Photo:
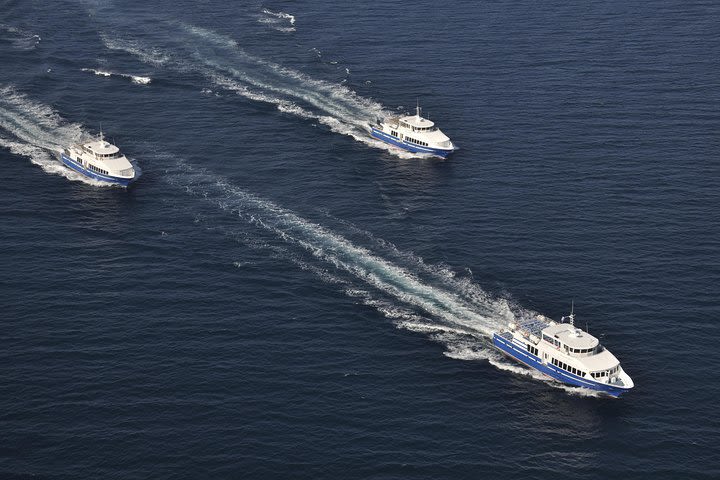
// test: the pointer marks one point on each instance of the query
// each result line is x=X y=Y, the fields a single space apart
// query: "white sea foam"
x=140 y=80
x=34 y=130
x=219 y=58
x=19 y=39
x=461 y=283
x=278 y=20
x=152 y=56
x=392 y=279
x=416 y=296
x=287 y=16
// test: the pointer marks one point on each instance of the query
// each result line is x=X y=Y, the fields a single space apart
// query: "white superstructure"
x=413 y=133
x=101 y=160
x=564 y=352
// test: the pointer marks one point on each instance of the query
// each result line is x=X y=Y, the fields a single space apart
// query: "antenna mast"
x=571 y=317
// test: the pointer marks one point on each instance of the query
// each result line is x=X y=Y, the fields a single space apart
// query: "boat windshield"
x=107 y=156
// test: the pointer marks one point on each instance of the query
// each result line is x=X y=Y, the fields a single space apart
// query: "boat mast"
x=417 y=108
x=571 y=317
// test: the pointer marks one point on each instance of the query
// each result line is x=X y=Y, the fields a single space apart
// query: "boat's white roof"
x=101 y=147
x=571 y=336
x=417 y=121
x=600 y=361
x=119 y=163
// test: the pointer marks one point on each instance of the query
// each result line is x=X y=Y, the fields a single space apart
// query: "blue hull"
x=411 y=147
x=523 y=356
x=69 y=162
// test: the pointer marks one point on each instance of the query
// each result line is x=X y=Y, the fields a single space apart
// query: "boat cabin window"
x=586 y=350
x=109 y=155
x=551 y=340
x=605 y=373
x=98 y=170
x=567 y=367
x=412 y=140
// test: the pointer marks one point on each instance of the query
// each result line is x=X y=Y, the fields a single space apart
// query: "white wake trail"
x=275 y=20
x=220 y=59
x=461 y=284
x=19 y=39
x=36 y=131
x=284 y=15
x=362 y=264
x=456 y=313
x=137 y=79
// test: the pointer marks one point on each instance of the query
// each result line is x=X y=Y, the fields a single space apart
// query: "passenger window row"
x=567 y=367
x=98 y=170
x=605 y=373
x=412 y=140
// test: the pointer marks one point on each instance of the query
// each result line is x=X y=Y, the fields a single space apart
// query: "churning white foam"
x=36 y=131
x=361 y=264
x=416 y=296
x=138 y=79
x=19 y=39
x=220 y=59
x=152 y=56
x=280 y=21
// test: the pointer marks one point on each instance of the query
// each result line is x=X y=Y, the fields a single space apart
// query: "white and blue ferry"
x=413 y=133
x=100 y=160
x=564 y=353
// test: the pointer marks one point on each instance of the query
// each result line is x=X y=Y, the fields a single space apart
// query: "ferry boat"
x=413 y=133
x=564 y=353
x=101 y=161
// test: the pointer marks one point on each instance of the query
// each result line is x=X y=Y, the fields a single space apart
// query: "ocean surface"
x=281 y=296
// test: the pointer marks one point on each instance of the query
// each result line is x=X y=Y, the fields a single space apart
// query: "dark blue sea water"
x=280 y=296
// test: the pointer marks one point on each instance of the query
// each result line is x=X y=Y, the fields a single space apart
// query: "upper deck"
x=101 y=149
x=571 y=337
x=416 y=123
x=102 y=156
x=532 y=326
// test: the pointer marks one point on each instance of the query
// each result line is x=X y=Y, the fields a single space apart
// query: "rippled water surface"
x=282 y=296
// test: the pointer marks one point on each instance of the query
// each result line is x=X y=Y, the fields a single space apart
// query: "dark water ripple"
x=248 y=310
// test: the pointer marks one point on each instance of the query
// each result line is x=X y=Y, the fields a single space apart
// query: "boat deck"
x=506 y=335
x=532 y=326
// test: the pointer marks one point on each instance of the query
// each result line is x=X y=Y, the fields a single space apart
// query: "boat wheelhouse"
x=413 y=133
x=101 y=161
x=564 y=353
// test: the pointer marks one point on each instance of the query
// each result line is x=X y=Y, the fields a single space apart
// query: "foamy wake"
x=19 y=39
x=220 y=59
x=140 y=80
x=37 y=132
x=392 y=279
x=280 y=21
x=414 y=295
